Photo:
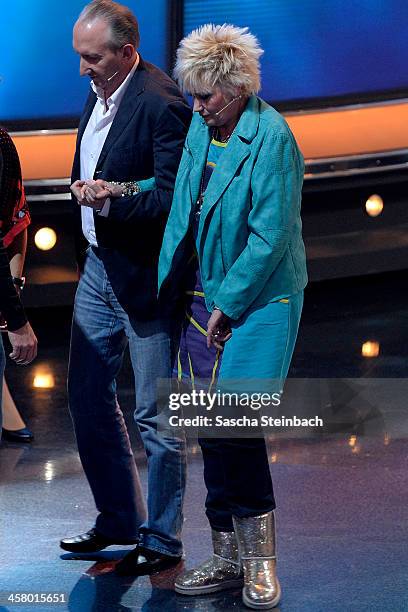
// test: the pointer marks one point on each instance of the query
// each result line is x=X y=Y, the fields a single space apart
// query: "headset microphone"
x=227 y=105
x=113 y=75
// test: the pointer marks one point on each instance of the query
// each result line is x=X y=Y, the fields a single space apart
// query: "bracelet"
x=19 y=282
x=129 y=188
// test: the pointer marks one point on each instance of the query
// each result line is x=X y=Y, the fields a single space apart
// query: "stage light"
x=45 y=239
x=371 y=348
x=43 y=380
x=374 y=205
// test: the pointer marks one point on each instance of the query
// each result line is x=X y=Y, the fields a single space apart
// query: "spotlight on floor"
x=371 y=348
x=352 y=442
x=374 y=205
x=45 y=239
x=49 y=471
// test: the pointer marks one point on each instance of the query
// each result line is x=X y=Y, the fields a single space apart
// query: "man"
x=133 y=128
x=20 y=333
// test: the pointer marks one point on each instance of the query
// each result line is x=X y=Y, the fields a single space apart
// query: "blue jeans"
x=101 y=330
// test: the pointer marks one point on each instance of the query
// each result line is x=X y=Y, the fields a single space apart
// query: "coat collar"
x=235 y=153
x=247 y=126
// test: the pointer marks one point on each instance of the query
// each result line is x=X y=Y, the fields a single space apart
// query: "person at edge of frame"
x=132 y=129
x=22 y=338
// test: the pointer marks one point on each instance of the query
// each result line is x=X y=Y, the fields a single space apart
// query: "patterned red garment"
x=14 y=213
x=14 y=218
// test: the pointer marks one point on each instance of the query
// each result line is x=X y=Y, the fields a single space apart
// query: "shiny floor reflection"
x=342 y=492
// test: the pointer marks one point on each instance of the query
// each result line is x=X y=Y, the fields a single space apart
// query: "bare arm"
x=17 y=253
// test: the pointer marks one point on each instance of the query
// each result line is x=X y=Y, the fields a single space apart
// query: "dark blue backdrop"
x=319 y=48
x=313 y=48
x=39 y=69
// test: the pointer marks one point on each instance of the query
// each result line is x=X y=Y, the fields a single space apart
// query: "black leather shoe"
x=142 y=561
x=91 y=541
x=17 y=435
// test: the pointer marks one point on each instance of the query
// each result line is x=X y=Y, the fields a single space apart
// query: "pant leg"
x=98 y=342
x=238 y=480
x=151 y=350
x=217 y=508
x=261 y=347
x=2 y=368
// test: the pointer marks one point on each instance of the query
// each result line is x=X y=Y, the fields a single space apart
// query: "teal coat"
x=249 y=241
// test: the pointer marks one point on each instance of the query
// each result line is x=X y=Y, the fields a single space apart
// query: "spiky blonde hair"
x=219 y=55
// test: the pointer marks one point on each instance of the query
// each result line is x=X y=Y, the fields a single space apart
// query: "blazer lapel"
x=229 y=162
x=89 y=105
x=238 y=149
x=127 y=108
x=198 y=147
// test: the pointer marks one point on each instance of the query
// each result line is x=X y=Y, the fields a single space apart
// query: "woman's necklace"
x=217 y=136
x=199 y=204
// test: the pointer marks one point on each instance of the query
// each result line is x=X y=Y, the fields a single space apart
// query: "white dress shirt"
x=92 y=142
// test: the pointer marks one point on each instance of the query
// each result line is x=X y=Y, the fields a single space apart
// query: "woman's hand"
x=85 y=194
x=95 y=193
x=24 y=344
x=104 y=189
x=115 y=191
x=218 y=330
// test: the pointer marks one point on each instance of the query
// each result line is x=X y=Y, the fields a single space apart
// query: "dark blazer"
x=146 y=139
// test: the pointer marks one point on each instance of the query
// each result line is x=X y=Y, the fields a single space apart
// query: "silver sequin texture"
x=220 y=572
x=256 y=540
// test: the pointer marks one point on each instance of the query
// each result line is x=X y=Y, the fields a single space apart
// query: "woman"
x=238 y=194
x=15 y=240
x=14 y=219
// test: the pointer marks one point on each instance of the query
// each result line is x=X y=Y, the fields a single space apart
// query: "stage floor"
x=342 y=493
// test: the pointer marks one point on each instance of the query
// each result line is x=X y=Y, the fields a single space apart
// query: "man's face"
x=97 y=60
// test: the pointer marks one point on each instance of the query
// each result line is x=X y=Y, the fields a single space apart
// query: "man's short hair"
x=124 y=28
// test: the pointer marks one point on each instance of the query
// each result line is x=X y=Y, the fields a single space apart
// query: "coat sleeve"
x=276 y=184
x=168 y=137
x=10 y=306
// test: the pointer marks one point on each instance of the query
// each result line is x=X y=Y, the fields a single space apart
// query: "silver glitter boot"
x=221 y=572
x=256 y=541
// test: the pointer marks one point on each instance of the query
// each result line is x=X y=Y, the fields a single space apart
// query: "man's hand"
x=218 y=330
x=90 y=193
x=76 y=189
x=24 y=344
